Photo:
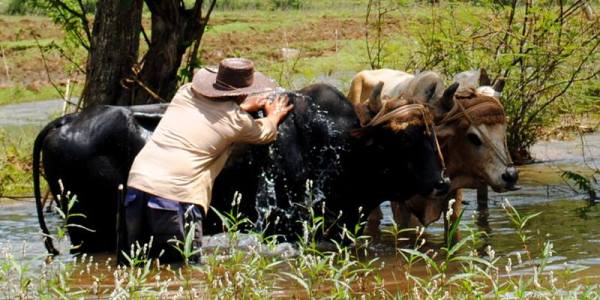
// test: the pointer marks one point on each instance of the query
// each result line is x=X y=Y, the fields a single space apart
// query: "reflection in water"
x=20 y=231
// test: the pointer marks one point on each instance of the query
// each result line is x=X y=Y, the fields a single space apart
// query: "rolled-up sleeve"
x=256 y=131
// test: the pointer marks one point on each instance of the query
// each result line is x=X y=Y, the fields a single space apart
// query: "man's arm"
x=264 y=130
x=254 y=103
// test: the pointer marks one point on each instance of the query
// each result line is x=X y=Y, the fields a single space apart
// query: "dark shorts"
x=165 y=220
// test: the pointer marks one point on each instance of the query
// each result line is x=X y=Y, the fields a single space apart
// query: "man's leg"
x=135 y=218
x=166 y=225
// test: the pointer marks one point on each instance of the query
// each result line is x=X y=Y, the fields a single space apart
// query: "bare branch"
x=84 y=21
x=572 y=79
x=145 y=36
x=210 y=9
x=61 y=51
x=37 y=42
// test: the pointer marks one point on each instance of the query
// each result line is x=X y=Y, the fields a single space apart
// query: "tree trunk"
x=113 y=51
x=174 y=29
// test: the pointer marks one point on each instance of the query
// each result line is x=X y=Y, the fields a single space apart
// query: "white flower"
x=490 y=252
x=450 y=209
x=451 y=202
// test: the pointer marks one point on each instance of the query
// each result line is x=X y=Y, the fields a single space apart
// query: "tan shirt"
x=190 y=146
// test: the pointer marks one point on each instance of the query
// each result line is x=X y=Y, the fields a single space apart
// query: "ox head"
x=472 y=127
x=401 y=141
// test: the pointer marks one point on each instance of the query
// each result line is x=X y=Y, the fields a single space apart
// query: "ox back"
x=92 y=153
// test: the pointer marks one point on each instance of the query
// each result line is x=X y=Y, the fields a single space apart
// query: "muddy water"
x=33 y=113
x=567 y=219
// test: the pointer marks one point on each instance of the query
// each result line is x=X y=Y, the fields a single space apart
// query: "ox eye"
x=474 y=139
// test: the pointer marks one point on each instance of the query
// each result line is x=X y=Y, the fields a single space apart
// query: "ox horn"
x=447 y=99
x=375 y=98
x=499 y=84
x=484 y=78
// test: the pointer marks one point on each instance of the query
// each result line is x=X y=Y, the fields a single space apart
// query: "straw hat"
x=235 y=77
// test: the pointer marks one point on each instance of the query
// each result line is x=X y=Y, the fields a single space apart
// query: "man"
x=171 y=179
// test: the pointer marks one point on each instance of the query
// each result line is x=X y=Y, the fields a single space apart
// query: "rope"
x=135 y=70
x=404 y=112
x=455 y=115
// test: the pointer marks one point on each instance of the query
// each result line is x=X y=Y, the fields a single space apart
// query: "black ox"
x=352 y=167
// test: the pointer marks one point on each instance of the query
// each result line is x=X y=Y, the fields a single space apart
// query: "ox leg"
x=48 y=206
x=482 y=198
x=482 y=208
x=402 y=216
x=373 y=222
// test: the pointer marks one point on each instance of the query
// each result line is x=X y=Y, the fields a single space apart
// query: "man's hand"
x=254 y=103
x=277 y=109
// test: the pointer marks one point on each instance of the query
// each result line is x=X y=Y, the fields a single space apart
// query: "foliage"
x=15 y=165
x=287 y=4
x=23 y=7
x=541 y=49
x=240 y=4
x=375 y=37
x=584 y=184
x=37 y=7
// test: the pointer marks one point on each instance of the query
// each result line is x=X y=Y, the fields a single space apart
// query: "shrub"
x=40 y=7
x=23 y=7
x=287 y=4
x=542 y=50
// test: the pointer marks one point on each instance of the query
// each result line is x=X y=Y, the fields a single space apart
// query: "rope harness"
x=458 y=111
x=406 y=114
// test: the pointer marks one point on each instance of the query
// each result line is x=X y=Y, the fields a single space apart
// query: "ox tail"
x=37 y=149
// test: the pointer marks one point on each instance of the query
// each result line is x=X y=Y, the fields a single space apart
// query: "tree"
x=174 y=29
x=115 y=74
x=113 y=51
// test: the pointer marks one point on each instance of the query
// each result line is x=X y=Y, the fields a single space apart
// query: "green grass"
x=16 y=144
x=24 y=44
x=3 y=6
x=19 y=94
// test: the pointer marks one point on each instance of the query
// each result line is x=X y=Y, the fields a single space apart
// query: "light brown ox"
x=473 y=144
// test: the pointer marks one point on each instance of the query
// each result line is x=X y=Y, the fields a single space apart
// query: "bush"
x=240 y=4
x=40 y=7
x=287 y=4
x=23 y=7
x=543 y=51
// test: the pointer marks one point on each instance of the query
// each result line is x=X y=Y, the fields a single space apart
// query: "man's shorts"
x=165 y=220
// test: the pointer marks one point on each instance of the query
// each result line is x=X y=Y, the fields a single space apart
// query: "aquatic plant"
x=254 y=266
x=584 y=184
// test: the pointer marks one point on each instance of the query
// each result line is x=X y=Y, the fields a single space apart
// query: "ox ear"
x=499 y=84
x=375 y=98
x=447 y=100
x=443 y=133
x=484 y=78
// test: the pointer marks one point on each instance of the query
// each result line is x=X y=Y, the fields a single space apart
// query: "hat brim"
x=204 y=84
